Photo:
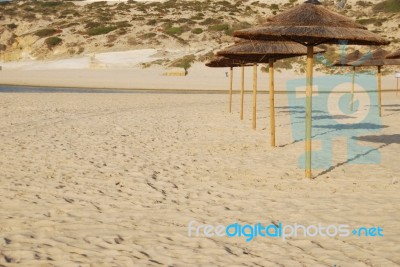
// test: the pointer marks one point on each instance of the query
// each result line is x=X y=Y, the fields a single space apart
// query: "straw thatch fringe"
x=378 y=58
x=394 y=55
x=223 y=62
x=263 y=51
x=354 y=56
x=379 y=62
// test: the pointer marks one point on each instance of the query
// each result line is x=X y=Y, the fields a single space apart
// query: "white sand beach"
x=199 y=78
x=114 y=180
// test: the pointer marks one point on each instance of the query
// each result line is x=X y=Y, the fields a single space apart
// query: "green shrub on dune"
x=174 y=31
x=52 y=42
x=388 y=6
x=50 y=4
x=45 y=32
x=197 y=31
x=184 y=62
x=219 y=27
x=101 y=30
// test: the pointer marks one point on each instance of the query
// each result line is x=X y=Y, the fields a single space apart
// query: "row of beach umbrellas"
x=296 y=32
x=252 y=53
x=377 y=58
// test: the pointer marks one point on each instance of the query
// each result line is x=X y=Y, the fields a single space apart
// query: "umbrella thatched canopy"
x=311 y=24
x=262 y=51
x=265 y=52
x=353 y=56
x=378 y=59
x=378 y=63
x=394 y=55
x=223 y=62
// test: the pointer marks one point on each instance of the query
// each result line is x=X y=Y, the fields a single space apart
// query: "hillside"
x=181 y=31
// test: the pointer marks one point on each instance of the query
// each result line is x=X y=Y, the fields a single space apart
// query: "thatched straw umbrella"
x=394 y=55
x=265 y=52
x=223 y=62
x=378 y=59
x=344 y=62
x=311 y=24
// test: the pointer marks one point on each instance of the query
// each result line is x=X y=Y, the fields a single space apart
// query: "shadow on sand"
x=384 y=140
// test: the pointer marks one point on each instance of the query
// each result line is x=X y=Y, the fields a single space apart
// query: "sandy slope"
x=113 y=180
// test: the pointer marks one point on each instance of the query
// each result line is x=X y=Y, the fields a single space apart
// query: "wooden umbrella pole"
x=254 y=96
x=310 y=61
x=230 y=89
x=242 y=95
x=272 y=102
x=380 y=90
x=352 y=89
x=397 y=87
